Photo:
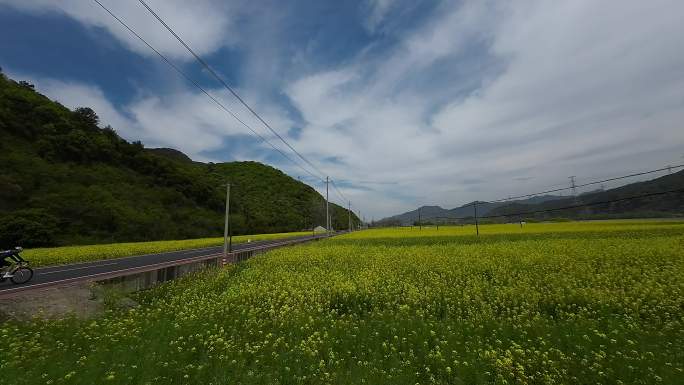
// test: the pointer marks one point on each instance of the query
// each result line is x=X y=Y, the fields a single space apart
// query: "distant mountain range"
x=654 y=206
x=437 y=212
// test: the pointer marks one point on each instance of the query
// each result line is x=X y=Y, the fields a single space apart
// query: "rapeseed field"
x=71 y=254
x=567 y=303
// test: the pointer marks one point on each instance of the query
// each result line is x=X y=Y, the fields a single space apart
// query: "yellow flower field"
x=567 y=303
x=71 y=254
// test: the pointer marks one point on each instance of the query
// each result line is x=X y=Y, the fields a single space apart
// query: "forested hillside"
x=65 y=180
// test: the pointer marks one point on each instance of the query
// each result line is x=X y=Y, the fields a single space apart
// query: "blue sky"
x=403 y=103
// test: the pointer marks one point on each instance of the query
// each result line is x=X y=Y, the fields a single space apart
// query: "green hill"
x=65 y=180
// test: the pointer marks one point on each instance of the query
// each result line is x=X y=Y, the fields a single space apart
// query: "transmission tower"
x=573 y=185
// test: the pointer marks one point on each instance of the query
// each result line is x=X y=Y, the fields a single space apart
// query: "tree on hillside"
x=26 y=84
x=87 y=116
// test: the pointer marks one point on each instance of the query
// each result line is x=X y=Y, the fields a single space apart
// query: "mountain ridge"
x=465 y=210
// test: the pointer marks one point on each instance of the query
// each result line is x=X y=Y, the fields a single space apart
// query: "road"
x=77 y=271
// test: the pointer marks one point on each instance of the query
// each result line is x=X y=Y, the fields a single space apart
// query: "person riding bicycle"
x=8 y=258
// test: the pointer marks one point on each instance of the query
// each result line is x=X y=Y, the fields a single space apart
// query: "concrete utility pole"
x=349 y=212
x=227 y=245
x=327 y=210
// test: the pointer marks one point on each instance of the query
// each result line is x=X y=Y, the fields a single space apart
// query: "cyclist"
x=5 y=263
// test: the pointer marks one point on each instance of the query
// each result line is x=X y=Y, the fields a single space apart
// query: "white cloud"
x=582 y=86
x=204 y=24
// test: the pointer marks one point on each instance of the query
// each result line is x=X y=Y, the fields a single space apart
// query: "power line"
x=193 y=82
x=586 y=204
x=575 y=186
x=338 y=190
x=237 y=96
x=228 y=87
x=646 y=195
x=342 y=197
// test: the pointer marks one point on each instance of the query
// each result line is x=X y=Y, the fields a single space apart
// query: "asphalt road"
x=55 y=274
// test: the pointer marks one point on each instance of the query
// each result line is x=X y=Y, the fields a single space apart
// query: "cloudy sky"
x=403 y=103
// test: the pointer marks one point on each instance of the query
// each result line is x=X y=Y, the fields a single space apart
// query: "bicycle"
x=18 y=271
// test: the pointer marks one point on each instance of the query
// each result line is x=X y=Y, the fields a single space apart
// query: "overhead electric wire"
x=236 y=95
x=228 y=87
x=587 y=184
x=668 y=168
x=585 y=204
x=344 y=199
x=193 y=82
x=646 y=195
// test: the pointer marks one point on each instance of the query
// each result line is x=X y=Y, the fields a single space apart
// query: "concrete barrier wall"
x=145 y=280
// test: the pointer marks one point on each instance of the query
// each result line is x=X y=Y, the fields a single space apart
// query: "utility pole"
x=420 y=223
x=227 y=244
x=327 y=210
x=477 y=225
x=349 y=212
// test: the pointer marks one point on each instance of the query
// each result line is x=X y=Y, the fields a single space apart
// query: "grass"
x=72 y=254
x=570 y=303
